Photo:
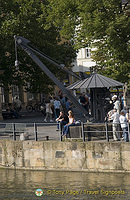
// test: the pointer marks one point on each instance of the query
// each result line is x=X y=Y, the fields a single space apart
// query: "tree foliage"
x=54 y=27
x=100 y=23
x=28 y=18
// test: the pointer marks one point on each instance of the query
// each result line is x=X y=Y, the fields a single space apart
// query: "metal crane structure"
x=32 y=51
x=126 y=7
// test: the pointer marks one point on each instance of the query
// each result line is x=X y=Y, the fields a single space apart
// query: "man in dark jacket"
x=62 y=120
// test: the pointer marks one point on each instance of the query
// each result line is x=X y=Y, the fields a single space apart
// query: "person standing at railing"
x=124 y=125
x=128 y=115
x=116 y=125
x=116 y=103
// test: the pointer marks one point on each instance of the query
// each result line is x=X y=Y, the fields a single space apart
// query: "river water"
x=22 y=185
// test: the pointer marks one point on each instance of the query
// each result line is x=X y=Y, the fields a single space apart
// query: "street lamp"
x=1 y=117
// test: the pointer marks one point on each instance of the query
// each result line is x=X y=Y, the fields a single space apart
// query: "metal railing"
x=31 y=131
x=47 y=131
x=107 y=130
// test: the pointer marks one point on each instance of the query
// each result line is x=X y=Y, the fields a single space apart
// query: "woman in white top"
x=124 y=126
x=70 y=123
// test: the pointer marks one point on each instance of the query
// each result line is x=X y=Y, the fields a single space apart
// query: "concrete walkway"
x=29 y=119
x=26 y=117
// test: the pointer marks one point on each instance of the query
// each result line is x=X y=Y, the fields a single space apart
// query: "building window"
x=87 y=52
x=30 y=96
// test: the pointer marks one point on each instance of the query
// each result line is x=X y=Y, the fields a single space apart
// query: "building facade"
x=83 y=61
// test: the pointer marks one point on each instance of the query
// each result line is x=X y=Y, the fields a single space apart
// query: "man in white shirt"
x=116 y=103
x=116 y=126
x=124 y=126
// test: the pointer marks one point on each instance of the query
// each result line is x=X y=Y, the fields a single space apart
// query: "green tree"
x=100 y=23
x=27 y=18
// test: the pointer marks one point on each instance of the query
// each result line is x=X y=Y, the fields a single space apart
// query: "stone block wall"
x=72 y=156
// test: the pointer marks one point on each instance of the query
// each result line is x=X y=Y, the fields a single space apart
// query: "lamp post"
x=1 y=117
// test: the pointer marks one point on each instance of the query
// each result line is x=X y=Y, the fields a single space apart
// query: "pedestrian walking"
x=48 y=112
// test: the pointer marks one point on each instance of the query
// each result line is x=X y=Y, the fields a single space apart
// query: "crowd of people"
x=60 y=110
x=119 y=119
x=57 y=103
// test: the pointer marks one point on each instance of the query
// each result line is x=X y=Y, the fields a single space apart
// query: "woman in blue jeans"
x=70 y=123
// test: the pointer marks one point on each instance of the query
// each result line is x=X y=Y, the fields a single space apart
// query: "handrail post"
x=128 y=131
x=83 y=133
x=14 y=133
x=35 y=131
x=60 y=131
x=89 y=133
x=107 y=135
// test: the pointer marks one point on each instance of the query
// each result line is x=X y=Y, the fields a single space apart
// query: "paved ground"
x=29 y=119
x=32 y=117
x=26 y=117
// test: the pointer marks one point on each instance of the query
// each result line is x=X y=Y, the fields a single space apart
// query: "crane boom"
x=23 y=43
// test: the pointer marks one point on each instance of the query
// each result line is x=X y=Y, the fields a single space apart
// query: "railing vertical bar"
x=107 y=136
x=129 y=132
x=83 y=133
x=14 y=133
x=35 y=131
x=89 y=134
x=60 y=132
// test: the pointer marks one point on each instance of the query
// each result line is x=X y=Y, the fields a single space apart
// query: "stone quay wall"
x=66 y=156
